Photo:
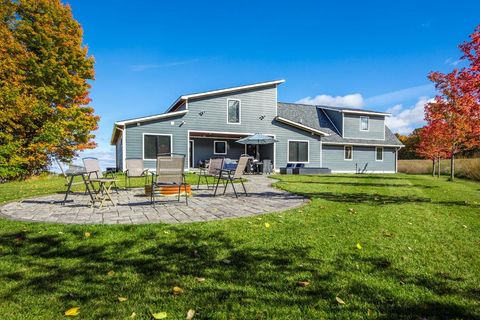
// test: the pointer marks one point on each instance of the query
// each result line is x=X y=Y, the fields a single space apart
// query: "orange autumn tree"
x=431 y=145
x=455 y=113
x=44 y=74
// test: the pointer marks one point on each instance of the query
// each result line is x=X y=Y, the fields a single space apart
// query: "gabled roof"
x=185 y=97
x=314 y=117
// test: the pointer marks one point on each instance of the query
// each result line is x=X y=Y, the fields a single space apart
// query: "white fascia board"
x=367 y=112
x=250 y=86
x=155 y=117
x=301 y=126
x=363 y=144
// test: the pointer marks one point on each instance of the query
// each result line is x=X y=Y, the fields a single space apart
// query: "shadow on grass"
x=149 y=263
x=359 y=184
x=368 y=198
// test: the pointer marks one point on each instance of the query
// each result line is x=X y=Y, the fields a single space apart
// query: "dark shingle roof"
x=314 y=117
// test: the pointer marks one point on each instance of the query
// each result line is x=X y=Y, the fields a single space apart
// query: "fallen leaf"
x=267 y=225
x=465 y=226
x=199 y=279
x=369 y=312
x=259 y=218
x=122 y=299
x=133 y=315
x=340 y=301
x=359 y=246
x=226 y=261
x=72 y=312
x=177 y=290
x=87 y=234
x=111 y=273
x=351 y=210
x=166 y=232
x=60 y=232
x=159 y=315
x=303 y=283
x=190 y=314
x=409 y=248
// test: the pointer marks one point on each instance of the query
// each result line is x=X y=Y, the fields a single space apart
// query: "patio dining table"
x=103 y=193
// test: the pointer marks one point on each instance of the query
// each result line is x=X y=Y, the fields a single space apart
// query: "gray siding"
x=363 y=158
x=351 y=129
x=336 y=118
x=134 y=137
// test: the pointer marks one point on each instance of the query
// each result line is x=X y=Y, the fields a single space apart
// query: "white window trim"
x=383 y=155
x=226 y=147
x=344 y=149
x=368 y=123
x=288 y=151
x=155 y=134
x=239 y=111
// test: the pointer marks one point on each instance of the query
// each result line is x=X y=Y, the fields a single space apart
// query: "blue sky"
x=366 y=54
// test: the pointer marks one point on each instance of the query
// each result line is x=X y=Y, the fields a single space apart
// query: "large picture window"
x=220 y=147
x=364 y=123
x=348 y=153
x=298 y=151
x=154 y=144
x=233 y=111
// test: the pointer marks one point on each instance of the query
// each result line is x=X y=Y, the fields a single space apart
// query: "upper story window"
x=220 y=147
x=364 y=123
x=233 y=112
x=154 y=144
x=298 y=151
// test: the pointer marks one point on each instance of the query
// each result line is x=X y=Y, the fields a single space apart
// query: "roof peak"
x=339 y=109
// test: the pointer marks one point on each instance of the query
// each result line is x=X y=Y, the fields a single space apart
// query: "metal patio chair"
x=134 y=169
x=211 y=170
x=227 y=176
x=170 y=172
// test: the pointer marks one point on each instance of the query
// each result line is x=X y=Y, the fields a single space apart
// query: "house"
x=207 y=124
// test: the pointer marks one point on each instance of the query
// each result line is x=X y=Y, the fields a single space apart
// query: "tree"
x=455 y=113
x=44 y=74
x=431 y=145
x=411 y=145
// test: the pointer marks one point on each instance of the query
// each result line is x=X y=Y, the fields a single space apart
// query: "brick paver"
x=132 y=207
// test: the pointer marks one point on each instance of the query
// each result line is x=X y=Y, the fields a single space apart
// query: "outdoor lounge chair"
x=232 y=175
x=211 y=170
x=170 y=172
x=92 y=168
x=134 y=169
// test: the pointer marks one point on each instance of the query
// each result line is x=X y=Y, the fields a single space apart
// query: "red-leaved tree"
x=455 y=112
x=431 y=145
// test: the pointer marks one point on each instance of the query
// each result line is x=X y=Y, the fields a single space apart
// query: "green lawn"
x=419 y=257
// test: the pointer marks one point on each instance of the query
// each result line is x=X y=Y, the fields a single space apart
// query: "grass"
x=419 y=258
x=464 y=168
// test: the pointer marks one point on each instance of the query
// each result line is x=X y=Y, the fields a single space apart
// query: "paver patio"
x=132 y=207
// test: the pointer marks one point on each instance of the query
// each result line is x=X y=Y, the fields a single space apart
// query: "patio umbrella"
x=257 y=139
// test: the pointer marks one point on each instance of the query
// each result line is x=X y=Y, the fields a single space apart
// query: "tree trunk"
x=433 y=167
x=452 y=167
x=439 y=167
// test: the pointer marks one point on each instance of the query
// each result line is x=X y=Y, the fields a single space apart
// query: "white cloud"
x=452 y=62
x=350 y=100
x=404 y=120
x=389 y=98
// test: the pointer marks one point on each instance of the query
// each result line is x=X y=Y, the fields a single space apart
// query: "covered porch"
x=204 y=145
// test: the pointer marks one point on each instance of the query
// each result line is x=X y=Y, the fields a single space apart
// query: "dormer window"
x=363 y=123
x=233 y=111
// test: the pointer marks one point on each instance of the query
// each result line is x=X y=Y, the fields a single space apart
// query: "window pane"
x=364 y=123
x=220 y=147
x=154 y=145
x=233 y=111
x=292 y=151
x=379 y=154
x=302 y=151
x=348 y=153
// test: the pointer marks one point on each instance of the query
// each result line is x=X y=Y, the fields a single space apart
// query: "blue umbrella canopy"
x=257 y=138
